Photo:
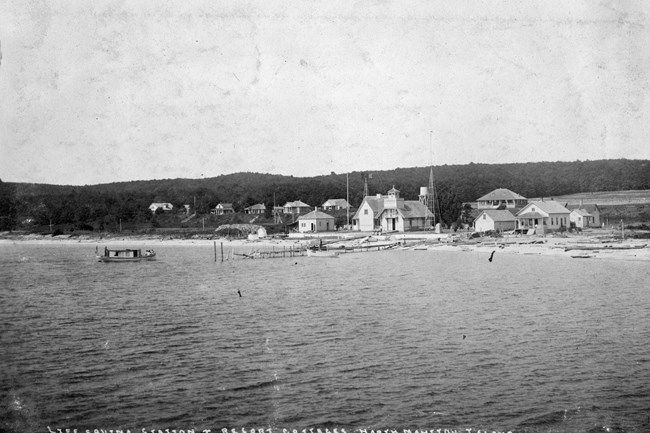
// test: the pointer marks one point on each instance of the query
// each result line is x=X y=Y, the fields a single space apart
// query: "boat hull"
x=323 y=254
x=125 y=259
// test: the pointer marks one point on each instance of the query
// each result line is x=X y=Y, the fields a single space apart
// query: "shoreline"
x=602 y=245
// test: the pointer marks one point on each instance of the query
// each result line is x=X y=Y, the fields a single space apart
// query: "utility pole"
x=431 y=196
x=622 y=230
x=347 y=189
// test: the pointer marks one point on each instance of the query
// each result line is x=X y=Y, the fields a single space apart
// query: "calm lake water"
x=380 y=340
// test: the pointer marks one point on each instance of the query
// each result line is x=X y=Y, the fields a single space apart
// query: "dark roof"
x=531 y=215
x=414 y=209
x=296 y=203
x=588 y=207
x=315 y=214
x=501 y=194
x=499 y=215
x=581 y=212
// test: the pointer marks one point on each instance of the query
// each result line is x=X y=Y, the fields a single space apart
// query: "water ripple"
x=394 y=339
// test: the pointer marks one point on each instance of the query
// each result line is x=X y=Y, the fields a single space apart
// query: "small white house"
x=316 y=221
x=261 y=234
x=495 y=220
x=581 y=218
x=543 y=215
x=164 y=206
x=335 y=204
x=592 y=209
x=222 y=209
x=501 y=198
x=259 y=208
x=296 y=207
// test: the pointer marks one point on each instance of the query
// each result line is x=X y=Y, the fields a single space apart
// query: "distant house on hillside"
x=153 y=207
x=316 y=221
x=592 y=209
x=543 y=215
x=335 y=204
x=296 y=208
x=501 y=198
x=495 y=220
x=222 y=209
x=391 y=213
x=259 y=208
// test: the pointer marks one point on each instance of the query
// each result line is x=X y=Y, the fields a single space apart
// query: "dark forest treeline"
x=102 y=205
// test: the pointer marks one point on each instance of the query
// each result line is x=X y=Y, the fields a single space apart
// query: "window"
x=484 y=216
x=365 y=211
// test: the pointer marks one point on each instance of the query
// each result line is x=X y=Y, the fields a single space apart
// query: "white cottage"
x=259 y=208
x=592 y=209
x=222 y=209
x=543 y=215
x=164 y=206
x=335 y=204
x=316 y=221
x=495 y=220
x=580 y=218
x=501 y=198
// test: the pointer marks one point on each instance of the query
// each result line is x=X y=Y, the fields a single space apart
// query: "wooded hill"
x=101 y=206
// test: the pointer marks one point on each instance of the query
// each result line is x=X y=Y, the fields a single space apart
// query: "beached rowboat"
x=322 y=253
x=604 y=247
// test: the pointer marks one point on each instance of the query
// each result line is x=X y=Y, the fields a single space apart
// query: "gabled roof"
x=531 y=215
x=550 y=206
x=375 y=203
x=257 y=206
x=225 y=205
x=581 y=212
x=336 y=202
x=414 y=209
x=501 y=194
x=498 y=215
x=315 y=215
x=296 y=203
x=588 y=207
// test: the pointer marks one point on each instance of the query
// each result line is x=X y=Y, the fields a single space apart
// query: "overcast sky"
x=103 y=91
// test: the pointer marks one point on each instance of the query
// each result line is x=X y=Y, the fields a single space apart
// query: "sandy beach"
x=597 y=244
